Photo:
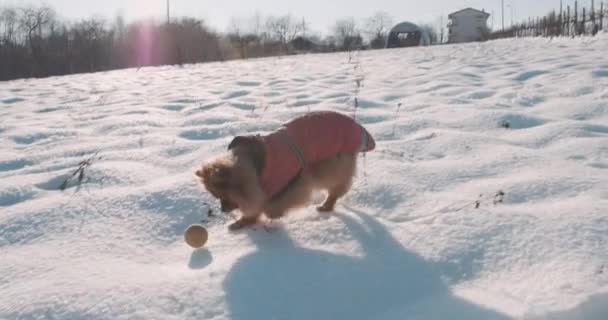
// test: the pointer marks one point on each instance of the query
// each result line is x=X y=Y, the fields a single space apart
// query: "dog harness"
x=307 y=140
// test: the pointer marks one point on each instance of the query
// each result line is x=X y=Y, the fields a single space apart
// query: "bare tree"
x=90 y=37
x=347 y=34
x=238 y=36
x=195 y=42
x=119 y=27
x=283 y=29
x=431 y=32
x=9 y=23
x=441 y=27
x=257 y=25
x=33 y=19
x=377 y=27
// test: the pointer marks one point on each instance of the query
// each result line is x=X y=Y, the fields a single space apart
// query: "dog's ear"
x=255 y=150
x=240 y=141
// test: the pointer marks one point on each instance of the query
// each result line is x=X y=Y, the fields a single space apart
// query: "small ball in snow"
x=196 y=236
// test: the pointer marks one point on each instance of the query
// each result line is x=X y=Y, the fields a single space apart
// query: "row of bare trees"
x=35 y=43
x=257 y=36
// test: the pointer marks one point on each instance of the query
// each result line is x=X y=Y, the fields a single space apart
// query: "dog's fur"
x=233 y=179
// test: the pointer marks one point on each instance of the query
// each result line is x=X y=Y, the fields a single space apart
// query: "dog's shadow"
x=284 y=281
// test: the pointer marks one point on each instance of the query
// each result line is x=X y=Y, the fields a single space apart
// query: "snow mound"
x=485 y=199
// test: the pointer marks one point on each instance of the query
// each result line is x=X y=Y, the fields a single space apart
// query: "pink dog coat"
x=309 y=139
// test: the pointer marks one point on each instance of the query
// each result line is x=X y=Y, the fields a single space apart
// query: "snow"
x=525 y=116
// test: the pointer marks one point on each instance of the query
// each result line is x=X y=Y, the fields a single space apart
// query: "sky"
x=320 y=15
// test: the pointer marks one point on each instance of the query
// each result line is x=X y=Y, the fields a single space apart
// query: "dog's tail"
x=367 y=141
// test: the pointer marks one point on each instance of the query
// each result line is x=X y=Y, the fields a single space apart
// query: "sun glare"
x=147 y=8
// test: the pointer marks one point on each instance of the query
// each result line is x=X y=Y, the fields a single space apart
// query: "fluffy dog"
x=275 y=173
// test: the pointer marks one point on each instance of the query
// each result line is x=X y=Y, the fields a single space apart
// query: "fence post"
x=568 y=22
x=554 y=24
x=583 y=22
x=560 y=25
x=575 y=18
x=602 y=16
x=592 y=14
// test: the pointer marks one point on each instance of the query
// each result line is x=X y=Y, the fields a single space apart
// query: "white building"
x=468 y=25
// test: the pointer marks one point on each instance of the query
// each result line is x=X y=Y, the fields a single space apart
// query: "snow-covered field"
x=406 y=243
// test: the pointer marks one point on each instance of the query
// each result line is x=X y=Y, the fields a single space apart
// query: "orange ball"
x=196 y=236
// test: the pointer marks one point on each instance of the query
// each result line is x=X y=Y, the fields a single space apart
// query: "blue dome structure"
x=407 y=34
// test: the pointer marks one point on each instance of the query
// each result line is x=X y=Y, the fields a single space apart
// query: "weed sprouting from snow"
x=496 y=198
x=265 y=107
x=392 y=153
x=102 y=99
x=396 y=115
x=210 y=216
x=80 y=172
x=359 y=78
x=358 y=85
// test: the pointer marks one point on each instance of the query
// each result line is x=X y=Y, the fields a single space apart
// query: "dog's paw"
x=325 y=209
x=236 y=226
x=240 y=224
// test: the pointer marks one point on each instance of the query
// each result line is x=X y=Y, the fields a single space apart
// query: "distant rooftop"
x=467 y=9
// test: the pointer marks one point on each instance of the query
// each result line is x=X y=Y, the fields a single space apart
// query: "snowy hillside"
x=528 y=117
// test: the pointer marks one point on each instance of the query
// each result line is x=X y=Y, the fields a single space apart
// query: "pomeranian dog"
x=272 y=174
